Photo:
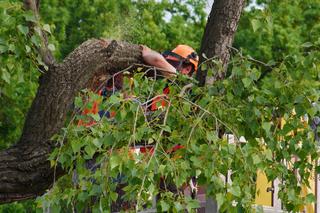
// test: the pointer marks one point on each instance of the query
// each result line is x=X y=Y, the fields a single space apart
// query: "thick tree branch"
x=24 y=169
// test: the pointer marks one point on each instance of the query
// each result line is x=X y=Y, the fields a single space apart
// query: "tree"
x=263 y=102
x=25 y=164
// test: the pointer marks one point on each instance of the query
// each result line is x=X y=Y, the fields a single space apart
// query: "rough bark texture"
x=219 y=33
x=24 y=169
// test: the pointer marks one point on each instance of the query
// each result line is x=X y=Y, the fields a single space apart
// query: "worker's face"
x=182 y=67
x=186 y=69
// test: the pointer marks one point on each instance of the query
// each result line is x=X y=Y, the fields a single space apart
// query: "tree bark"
x=24 y=169
x=218 y=36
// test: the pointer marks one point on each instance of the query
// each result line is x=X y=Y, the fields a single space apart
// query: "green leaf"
x=310 y=198
x=211 y=136
x=220 y=198
x=166 y=128
x=114 y=161
x=232 y=148
x=266 y=126
x=29 y=16
x=36 y=40
x=96 y=190
x=256 y=159
x=268 y=154
x=51 y=47
x=76 y=146
x=5 y=5
x=55 y=208
x=164 y=206
x=150 y=141
x=161 y=169
x=114 y=196
x=6 y=76
x=95 y=117
x=46 y=27
x=97 y=143
x=90 y=150
x=186 y=108
x=12 y=48
x=307 y=44
x=246 y=82
x=108 y=140
x=28 y=49
x=3 y=48
x=255 y=24
x=23 y=29
x=192 y=204
x=235 y=190
x=78 y=102
x=114 y=99
x=178 y=206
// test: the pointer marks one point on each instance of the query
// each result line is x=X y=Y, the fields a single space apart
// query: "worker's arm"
x=155 y=59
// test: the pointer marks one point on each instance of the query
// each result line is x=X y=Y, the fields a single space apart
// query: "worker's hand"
x=155 y=59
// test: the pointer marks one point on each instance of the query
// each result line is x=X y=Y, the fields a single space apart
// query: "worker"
x=150 y=57
x=185 y=60
x=182 y=59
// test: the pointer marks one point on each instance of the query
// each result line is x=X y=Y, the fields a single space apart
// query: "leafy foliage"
x=158 y=24
x=279 y=29
x=242 y=104
x=18 y=72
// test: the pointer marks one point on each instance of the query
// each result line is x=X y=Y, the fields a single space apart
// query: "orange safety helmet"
x=183 y=53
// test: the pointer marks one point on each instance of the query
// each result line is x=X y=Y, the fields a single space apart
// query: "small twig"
x=249 y=58
x=207 y=59
x=60 y=148
x=154 y=82
x=194 y=126
x=185 y=88
x=152 y=156
x=210 y=113
x=134 y=128
x=147 y=103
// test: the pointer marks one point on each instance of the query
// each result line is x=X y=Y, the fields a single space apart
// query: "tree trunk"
x=218 y=36
x=24 y=169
